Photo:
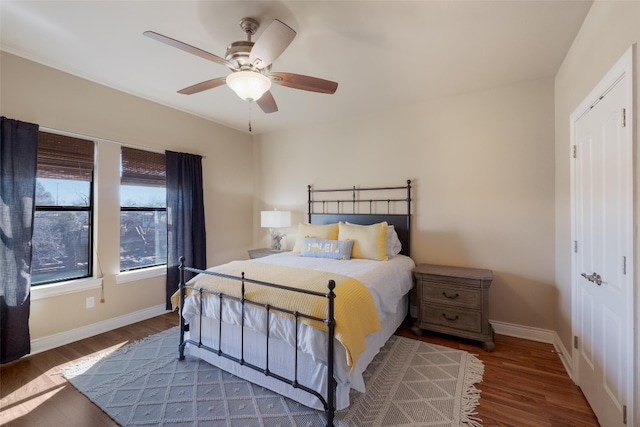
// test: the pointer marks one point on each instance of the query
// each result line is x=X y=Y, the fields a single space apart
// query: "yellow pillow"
x=327 y=231
x=370 y=241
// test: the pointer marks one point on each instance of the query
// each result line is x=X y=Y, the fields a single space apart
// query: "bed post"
x=309 y=208
x=409 y=215
x=331 y=382
x=182 y=294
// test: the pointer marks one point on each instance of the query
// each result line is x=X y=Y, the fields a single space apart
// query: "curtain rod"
x=78 y=135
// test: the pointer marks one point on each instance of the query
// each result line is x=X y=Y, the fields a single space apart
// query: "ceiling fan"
x=250 y=64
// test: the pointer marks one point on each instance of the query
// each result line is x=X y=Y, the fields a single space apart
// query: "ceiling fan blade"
x=272 y=42
x=298 y=81
x=202 y=86
x=188 y=48
x=267 y=103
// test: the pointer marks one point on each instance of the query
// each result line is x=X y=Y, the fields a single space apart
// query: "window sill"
x=62 y=288
x=143 y=273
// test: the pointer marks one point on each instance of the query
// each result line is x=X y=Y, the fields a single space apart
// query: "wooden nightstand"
x=455 y=301
x=259 y=253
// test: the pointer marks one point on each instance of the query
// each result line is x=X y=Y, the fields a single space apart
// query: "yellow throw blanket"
x=355 y=312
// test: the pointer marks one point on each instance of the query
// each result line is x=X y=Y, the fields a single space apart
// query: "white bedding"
x=388 y=282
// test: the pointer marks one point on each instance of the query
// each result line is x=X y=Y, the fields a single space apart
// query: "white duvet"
x=387 y=281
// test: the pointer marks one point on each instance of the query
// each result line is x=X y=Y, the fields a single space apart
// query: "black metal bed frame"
x=329 y=321
x=401 y=221
x=402 y=224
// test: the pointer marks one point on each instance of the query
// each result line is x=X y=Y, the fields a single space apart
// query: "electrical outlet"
x=91 y=302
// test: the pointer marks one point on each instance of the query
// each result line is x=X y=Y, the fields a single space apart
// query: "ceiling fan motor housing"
x=238 y=53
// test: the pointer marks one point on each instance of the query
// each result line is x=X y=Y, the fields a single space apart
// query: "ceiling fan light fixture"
x=248 y=85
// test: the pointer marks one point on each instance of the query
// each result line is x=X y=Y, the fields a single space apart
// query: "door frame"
x=625 y=66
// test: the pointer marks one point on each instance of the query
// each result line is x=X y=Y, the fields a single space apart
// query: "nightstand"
x=259 y=253
x=454 y=301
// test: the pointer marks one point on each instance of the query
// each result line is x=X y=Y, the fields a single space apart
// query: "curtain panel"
x=18 y=167
x=185 y=217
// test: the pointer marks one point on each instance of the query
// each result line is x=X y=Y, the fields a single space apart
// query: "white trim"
x=143 y=273
x=39 y=345
x=526 y=332
x=565 y=355
x=56 y=340
x=625 y=66
x=62 y=288
x=539 y=335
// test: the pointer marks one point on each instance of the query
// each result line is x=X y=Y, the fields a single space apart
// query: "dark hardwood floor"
x=524 y=382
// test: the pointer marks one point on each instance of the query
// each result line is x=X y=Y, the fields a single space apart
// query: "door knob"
x=594 y=278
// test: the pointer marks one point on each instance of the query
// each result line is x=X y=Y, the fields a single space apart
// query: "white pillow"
x=393 y=242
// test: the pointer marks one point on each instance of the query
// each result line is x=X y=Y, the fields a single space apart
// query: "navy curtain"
x=18 y=166
x=185 y=217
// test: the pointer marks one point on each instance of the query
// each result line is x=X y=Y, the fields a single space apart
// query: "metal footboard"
x=328 y=403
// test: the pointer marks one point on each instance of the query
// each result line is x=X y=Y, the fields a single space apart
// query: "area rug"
x=409 y=383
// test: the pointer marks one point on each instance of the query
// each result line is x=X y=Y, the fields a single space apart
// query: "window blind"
x=141 y=167
x=64 y=157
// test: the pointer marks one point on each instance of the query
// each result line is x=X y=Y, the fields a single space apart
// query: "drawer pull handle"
x=452 y=319
x=450 y=296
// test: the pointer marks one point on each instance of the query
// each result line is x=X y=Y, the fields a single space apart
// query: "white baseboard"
x=539 y=335
x=39 y=345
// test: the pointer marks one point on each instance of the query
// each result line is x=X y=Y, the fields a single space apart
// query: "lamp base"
x=276 y=239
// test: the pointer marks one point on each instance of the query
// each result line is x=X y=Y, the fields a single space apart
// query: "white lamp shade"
x=248 y=85
x=275 y=219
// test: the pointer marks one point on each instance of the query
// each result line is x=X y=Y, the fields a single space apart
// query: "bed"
x=307 y=323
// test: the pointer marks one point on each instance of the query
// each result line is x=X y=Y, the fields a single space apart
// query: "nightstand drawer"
x=452 y=317
x=447 y=294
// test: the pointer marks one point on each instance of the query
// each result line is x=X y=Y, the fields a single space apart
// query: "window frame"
x=140 y=209
x=90 y=208
x=151 y=270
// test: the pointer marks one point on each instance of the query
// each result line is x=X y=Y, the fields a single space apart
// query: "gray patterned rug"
x=409 y=383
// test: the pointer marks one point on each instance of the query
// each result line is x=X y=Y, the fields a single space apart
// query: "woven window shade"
x=64 y=157
x=141 y=167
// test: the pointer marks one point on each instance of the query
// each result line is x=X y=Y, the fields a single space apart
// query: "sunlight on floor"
x=44 y=387
x=32 y=401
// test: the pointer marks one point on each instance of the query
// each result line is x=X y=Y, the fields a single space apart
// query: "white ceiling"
x=382 y=53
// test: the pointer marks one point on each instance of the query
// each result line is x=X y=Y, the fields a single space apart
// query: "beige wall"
x=38 y=94
x=491 y=186
x=610 y=28
x=483 y=176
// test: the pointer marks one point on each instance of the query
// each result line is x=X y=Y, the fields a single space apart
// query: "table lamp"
x=273 y=220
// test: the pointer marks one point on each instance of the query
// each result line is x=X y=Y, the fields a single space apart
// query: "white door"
x=603 y=252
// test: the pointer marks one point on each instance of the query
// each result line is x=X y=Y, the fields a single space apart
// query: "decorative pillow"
x=394 y=246
x=321 y=248
x=370 y=241
x=327 y=231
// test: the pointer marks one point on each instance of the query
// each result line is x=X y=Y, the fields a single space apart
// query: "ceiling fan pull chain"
x=250 y=102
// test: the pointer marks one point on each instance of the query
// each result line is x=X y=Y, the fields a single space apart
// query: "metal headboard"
x=390 y=204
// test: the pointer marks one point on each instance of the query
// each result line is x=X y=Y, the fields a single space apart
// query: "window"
x=62 y=226
x=143 y=211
